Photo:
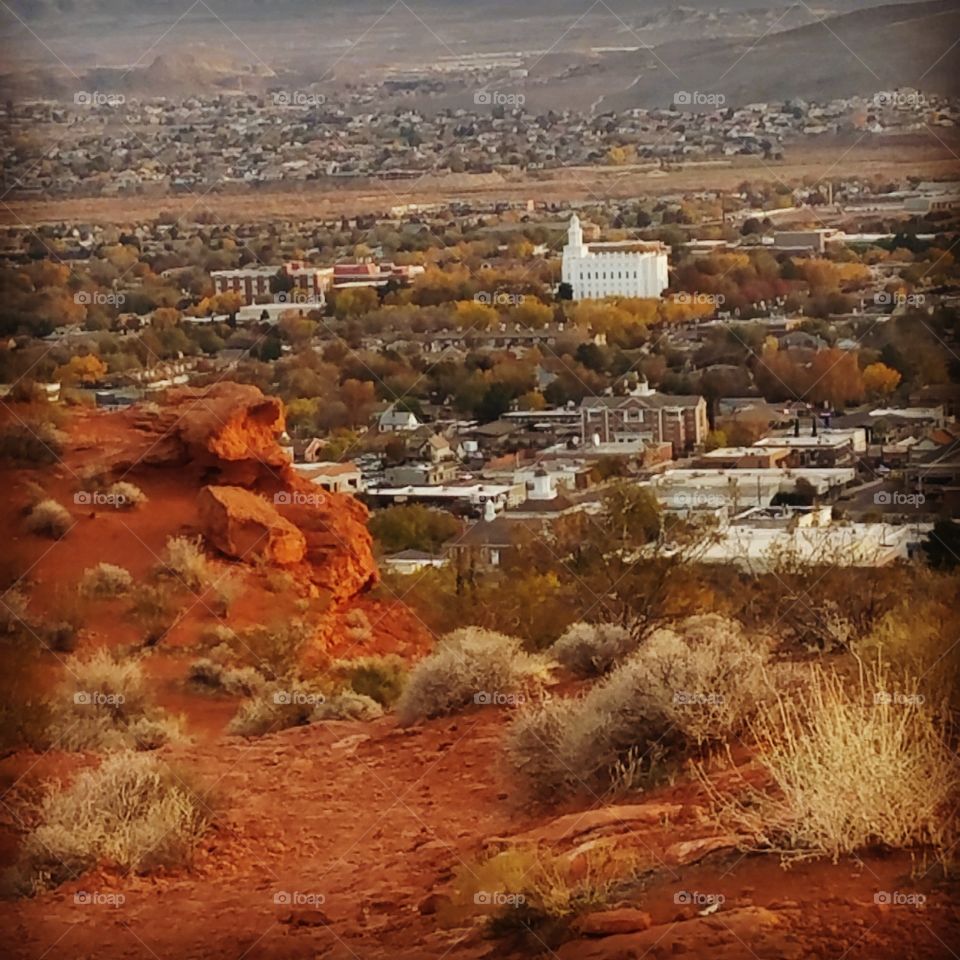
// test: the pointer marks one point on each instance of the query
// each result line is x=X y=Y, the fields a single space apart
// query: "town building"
x=645 y=415
x=600 y=270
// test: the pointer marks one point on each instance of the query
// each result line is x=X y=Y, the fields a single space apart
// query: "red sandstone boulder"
x=245 y=526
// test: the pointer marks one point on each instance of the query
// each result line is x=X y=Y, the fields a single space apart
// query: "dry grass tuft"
x=49 y=519
x=132 y=811
x=105 y=580
x=852 y=766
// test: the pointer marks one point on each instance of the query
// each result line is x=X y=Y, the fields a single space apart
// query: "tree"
x=942 y=546
x=879 y=380
x=85 y=370
x=413 y=527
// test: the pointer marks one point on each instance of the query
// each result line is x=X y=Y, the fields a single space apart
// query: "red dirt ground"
x=374 y=819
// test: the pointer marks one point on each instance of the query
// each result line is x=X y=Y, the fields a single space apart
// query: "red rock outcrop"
x=245 y=526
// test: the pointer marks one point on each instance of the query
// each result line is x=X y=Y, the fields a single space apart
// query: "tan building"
x=648 y=416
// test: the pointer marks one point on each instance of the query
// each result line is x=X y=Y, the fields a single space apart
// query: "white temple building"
x=629 y=269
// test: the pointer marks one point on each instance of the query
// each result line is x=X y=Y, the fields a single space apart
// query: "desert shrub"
x=155 y=607
x=34 y=443
x=277 y=706
x=525 y=887
x=105 y=580
x=278 y=581
x=696 y=682
x=133 y=811
x=14 y=619
x=103 y=704
x=49 y=519
x=379 y=678
x=357 y=627
x=126 y=496
x=591 y=649
x=184 y=559
x=852 y=765
x=347 y=705
x=470 y=665
x=272 y=649
x=213 y=676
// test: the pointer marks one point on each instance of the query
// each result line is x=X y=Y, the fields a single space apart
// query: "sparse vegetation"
x=133 y=811
x=103 y=704
x=698 y=681
x=590 y=649
x=185 y=561
x=380 y=678
x=49 y=519
x=851 y=766
x=470 y=665
x=36 y=443
x=126 y=496
x=105 y=580
x=211 y=676
x=155 y=606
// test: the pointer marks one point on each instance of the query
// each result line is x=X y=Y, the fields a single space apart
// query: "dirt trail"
x=373 y=819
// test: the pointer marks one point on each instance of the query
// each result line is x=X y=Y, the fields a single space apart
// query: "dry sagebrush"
x=133 y=811
x=592 y=649
x=468 y=664
x=696 y=682
x=851 y=765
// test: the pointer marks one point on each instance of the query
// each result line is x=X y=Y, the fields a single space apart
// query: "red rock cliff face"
x=251 y=503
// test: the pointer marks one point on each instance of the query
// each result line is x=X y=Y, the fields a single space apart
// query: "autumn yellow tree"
x=86 y=370
x=879 y=380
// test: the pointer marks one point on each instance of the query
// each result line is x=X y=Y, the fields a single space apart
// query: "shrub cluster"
x=49 y=519
x=591 y=649
x=695 y=682
x=105 y=580
x=133 y=811
x=470 y=665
